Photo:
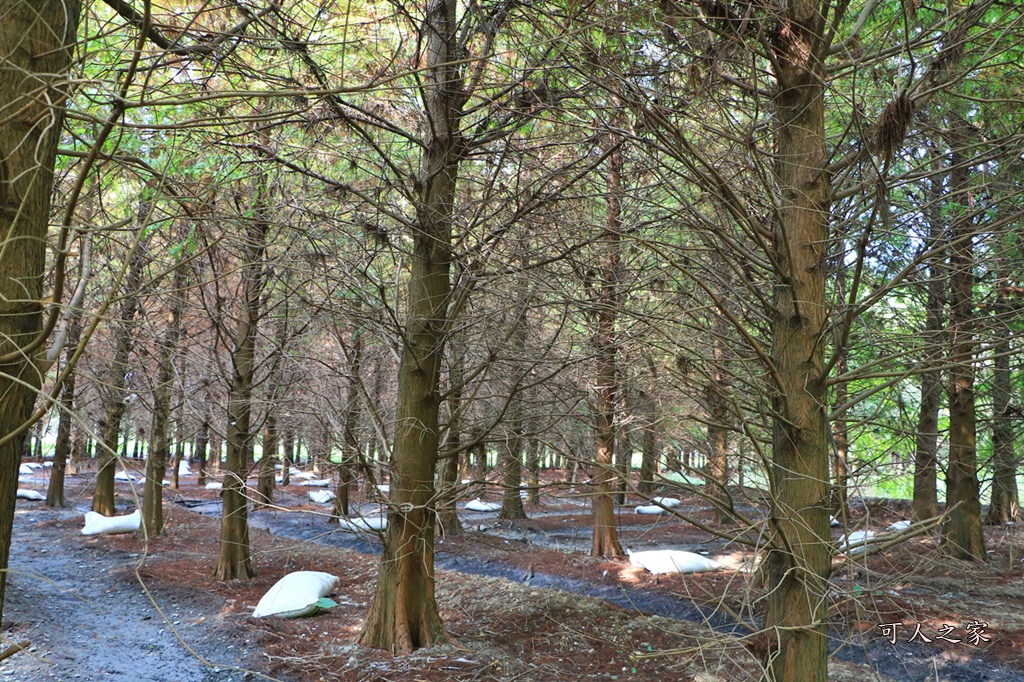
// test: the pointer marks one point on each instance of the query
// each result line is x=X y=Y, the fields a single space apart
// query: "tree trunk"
x=235 y=560
x=403 y=615
x=606 y=537
x=115 y=389
x=716 y=397
x=962 y=533
x=447 y=515
x=202 y=442
x=512 y=453
x=1005 y=504
x=156 y=465
x=798 y=560
x=35 y=41
x=265 y=482
x=533 y=470
x=55 y=489
x=286 y=461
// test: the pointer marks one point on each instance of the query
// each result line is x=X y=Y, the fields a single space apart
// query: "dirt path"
x=89 y=619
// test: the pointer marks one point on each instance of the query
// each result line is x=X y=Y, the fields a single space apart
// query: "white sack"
x=856 y=542
x=672 y=561
x=98 y=524
x=321 y=496
x=183 y=469
x=214 y=485
x=26 y=494
x=898 y=526
x=669 y=502
x=295 y=595
x=479 y=505
x=124 y=476
x=25 y=470
x=651 y=509
x=833 y=521
x=301 y=474
x=375 y=523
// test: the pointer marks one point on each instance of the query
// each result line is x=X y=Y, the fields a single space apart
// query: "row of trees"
x=786 y=235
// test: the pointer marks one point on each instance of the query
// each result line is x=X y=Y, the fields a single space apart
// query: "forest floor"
x=522 y=601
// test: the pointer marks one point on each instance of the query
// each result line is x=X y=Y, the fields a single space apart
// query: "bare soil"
x=522 y=600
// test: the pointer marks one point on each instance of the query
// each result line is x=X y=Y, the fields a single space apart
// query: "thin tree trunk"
x=156 y=465
x=533 y=470
x=404 y=615
x=265 y=482
x=606 y=537
x=799 y=560
x=115 y=389
x=1005 y=504
x=55 y=489
x=512 y=454
x=202 y=443
x=447 y=515
x=716 y=397
x=926 y=497
x=286 y=462
x=235 y=560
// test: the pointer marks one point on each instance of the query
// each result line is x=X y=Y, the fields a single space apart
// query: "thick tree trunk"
x=606 y=537
x=799 y=559
x=35 y=41
x=404 y=615
x=963 y=532
x=156 y=465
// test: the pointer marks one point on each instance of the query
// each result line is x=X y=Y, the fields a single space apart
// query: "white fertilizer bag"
x=372 y=523
x=25 y=470
x=297 y=594
x=672 y=561
x=26 y=494
x=321 y=496
x=898 y=526
x=479 y=505
x=833 y=521
x=124 y=476
x=651 y=509
x=669 y=502
x=856 y=542
x=183 y=469
x=98 y=524
x=214 y=485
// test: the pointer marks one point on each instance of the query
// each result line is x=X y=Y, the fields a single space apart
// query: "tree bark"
x=115 y=389
x=963 y=532
x=716 y=398
x=156 y=465
x=265 y=482
x=235 y=560
x=447 y=515
x=55 y=489
x=202 y=443
x=798 y=560
x=404 y=615
x=512 y=453
x=1005 y=503
x=606 y=537
x=36 y=42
